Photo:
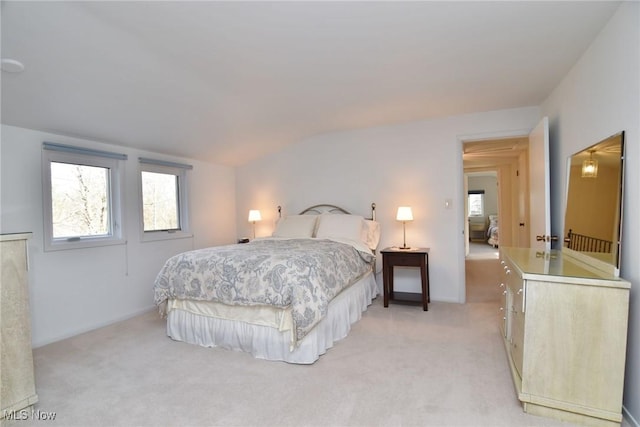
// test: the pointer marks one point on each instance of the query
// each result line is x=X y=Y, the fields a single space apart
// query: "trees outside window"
x=164 y=199
x=160 y=201
x=81 y=196
x=80 y=200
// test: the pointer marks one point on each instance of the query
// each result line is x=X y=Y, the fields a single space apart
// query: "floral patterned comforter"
x=305 y=274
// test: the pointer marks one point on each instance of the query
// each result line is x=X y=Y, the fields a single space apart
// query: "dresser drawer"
x=505 y=303
x=517 y=339
x=516 y=285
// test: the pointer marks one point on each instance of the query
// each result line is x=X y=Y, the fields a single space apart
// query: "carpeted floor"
x=482 y=280
x=482 y=251
x=399 y=366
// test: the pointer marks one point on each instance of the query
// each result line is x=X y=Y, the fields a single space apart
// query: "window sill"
x=63 y=245
x=155 y=236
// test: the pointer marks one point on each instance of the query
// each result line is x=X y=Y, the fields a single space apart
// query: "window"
x=160 y=201
x=81 y=195
x=476 y=202
x=163 y=190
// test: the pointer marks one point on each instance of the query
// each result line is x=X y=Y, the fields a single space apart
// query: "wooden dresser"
x=564 y=326
x=18 y=389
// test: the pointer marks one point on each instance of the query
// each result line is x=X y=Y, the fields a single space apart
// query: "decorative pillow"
x=340 y=226
x=371 y=233
x=295 y=226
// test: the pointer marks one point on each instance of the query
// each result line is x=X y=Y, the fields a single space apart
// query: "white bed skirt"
x=269 y=343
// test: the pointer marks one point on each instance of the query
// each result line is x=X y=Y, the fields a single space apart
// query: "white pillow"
x=371 y=233
x=340 y=226
x=295 y=226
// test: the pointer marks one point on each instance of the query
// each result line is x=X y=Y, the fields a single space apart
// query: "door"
x=466 y=215
x=539 y=187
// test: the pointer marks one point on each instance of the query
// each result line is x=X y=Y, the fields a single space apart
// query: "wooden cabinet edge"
x=569 y=416
x=515 y=376
x=15 y=236
x=557 y=409
x=19 y=406
x=25 y=395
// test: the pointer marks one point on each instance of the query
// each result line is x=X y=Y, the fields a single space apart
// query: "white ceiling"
x=483 y=154
x=228 y=82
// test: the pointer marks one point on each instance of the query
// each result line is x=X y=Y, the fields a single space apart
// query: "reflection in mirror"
x=594 y=203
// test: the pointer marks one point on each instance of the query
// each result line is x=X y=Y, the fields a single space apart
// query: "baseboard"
x=94 y=327
x=627 y=416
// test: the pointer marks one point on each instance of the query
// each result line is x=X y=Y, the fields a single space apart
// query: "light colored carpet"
x=399 y=366
x=482 y=276
x=482 y=251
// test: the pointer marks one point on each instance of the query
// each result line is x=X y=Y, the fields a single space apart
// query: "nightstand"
x=414 y=257
x=477 y=232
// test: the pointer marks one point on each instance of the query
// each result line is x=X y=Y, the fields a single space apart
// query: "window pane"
x=160 y=202
x=475 y=205
x=79 y=200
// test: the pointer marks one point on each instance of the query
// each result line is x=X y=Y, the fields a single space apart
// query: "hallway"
x=482 y=251
x=482 y=274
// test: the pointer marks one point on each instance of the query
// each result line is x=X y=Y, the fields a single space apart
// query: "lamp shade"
x=254 y=215
x=404 y=214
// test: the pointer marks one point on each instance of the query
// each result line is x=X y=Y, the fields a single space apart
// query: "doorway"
x=495 y=176
x=482 y=213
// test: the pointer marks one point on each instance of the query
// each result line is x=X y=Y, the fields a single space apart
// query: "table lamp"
x=404 y=214
x=254 y=215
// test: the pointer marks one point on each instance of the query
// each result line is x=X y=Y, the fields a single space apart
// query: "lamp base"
x=404 y=248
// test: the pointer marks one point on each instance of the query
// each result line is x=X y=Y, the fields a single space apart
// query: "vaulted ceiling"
x=228 y=82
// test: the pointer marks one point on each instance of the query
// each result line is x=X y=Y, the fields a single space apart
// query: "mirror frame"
x=612 y=268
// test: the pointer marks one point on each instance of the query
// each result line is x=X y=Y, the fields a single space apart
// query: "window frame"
x=181 y=172
x=84 y=157
x=476 y=192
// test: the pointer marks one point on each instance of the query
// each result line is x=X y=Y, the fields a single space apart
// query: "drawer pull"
x=519 y=291
x=504 y=292
x=502 y=285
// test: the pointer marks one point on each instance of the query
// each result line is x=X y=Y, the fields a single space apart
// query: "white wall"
x=599 y=97
x=416 y=164
x=73 y=291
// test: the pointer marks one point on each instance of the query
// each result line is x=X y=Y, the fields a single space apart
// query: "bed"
x=287 y=297
x=492 y=231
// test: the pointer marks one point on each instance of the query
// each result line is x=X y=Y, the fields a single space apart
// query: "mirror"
x=594 y=204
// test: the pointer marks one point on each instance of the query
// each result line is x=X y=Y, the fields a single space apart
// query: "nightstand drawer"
x=407 y=260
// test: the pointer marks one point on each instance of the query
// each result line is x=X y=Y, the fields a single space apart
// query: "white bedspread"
x=265 y=342
x=301 y=274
